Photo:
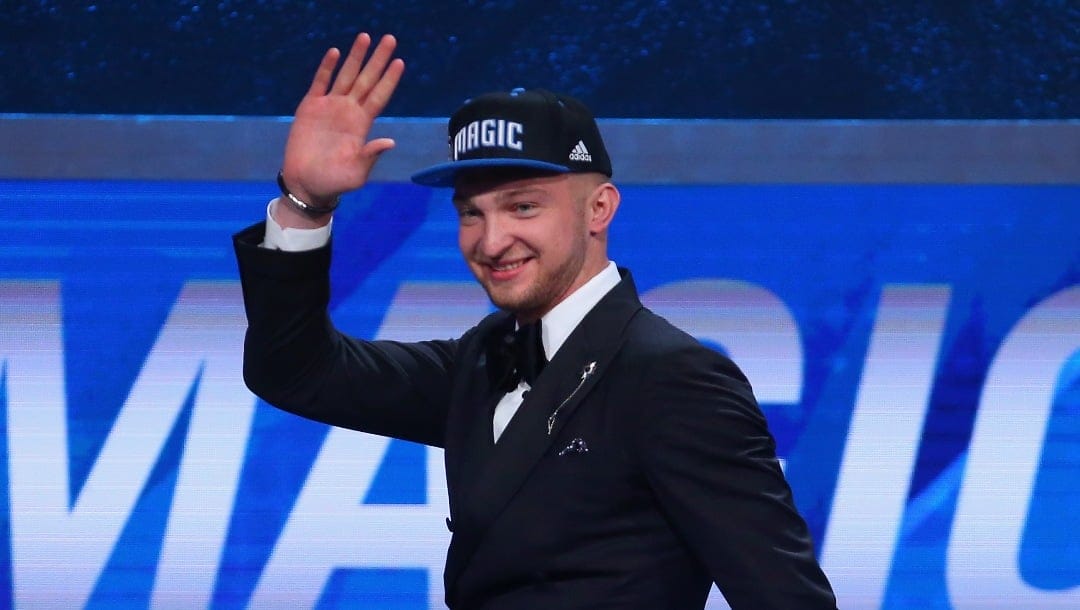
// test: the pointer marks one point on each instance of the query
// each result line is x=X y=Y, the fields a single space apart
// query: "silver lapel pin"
x=586 y=372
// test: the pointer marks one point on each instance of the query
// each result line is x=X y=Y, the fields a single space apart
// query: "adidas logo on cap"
x=580 y=153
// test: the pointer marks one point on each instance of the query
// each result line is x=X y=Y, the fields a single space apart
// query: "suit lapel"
x=468 y=429
x=489 y=482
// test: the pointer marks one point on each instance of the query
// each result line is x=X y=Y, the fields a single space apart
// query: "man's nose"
x=496 y=239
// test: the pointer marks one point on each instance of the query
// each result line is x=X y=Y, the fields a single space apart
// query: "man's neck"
x=558 y=323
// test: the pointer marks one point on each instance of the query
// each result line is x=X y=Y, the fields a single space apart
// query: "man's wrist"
x=290 y=216
x=303 y=202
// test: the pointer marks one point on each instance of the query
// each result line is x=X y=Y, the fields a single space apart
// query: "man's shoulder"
x=650 y=332
x=655 y=344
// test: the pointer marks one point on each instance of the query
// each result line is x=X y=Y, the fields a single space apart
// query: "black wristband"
x=305 y=208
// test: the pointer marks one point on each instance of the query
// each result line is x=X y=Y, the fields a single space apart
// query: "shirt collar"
x=557 y=325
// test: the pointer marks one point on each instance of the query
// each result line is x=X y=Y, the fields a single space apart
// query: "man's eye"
x=525 y=207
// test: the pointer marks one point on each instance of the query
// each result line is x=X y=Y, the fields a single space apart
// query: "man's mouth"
x=506 y=270
x=508 y=266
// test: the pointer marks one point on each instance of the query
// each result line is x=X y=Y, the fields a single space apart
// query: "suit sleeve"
x=296 y=360
x=709 y=457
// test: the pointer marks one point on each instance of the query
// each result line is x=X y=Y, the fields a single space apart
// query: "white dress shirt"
x=555 y=327
x=290 y=239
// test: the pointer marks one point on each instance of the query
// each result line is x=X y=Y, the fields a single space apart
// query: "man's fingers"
x=382 y=91
x=353 y=61
x=374 y=68
x=321 y=82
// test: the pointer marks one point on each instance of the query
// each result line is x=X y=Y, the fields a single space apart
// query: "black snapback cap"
x=532 y=129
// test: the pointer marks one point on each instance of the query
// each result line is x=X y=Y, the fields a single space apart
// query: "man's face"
x=525 y=236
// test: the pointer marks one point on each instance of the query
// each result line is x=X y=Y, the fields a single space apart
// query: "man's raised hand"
x=328 y=152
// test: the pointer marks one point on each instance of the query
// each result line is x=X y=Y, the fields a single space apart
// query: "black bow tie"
x=514 y=355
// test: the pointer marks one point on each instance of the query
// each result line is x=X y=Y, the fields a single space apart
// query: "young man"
x=596 y=457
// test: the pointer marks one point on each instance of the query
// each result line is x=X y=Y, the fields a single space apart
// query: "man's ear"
x=603 y=204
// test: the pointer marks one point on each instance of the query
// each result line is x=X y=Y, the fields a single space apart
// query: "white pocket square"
x=576 y=446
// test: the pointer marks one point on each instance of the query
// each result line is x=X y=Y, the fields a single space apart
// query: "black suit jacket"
x=658 y=474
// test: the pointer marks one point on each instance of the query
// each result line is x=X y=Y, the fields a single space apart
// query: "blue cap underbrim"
x=444 y=174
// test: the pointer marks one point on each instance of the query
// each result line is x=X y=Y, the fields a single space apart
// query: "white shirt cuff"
x=290 y=239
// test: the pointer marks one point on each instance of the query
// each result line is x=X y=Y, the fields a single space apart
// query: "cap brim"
x=444 y=174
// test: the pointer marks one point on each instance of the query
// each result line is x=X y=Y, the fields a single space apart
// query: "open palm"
x=328 y=152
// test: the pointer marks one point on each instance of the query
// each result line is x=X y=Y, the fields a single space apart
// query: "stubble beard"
x=545 y=290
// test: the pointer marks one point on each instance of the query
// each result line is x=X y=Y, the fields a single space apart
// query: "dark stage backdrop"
x=628 y=58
